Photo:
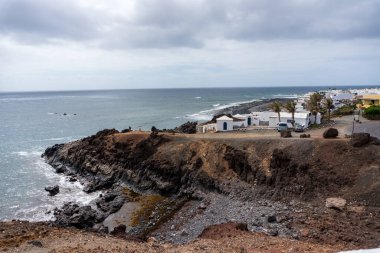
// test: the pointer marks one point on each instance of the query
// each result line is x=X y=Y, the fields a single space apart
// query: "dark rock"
x=330 y=133
x=119 y=230
x=285 y=134
x=374 y=141
x=360 y=139
x=53 y=190
x=36 y=243
x=110 y=202
x=273 y=232
x=241 y=226
x=304 y=135
x=272 y=218
x=187 y=128
x=77 y=216
x=59 y=168
x=72 y=179
x=202 y=206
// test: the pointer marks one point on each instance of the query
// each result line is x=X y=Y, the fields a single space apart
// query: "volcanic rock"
x=77 y=216
x=330 y=133
x=360 y=139
x=53 y=190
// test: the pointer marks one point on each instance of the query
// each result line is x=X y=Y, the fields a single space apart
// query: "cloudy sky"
x=111 y=44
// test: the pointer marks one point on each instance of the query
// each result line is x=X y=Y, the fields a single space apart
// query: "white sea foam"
x=197 y=97
x=68 y=192
x=27 y=153
x=285 y=96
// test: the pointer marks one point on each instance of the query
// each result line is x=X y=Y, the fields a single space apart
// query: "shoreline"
x=248 y=107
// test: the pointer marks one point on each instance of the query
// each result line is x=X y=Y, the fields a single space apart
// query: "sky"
x=125 y=44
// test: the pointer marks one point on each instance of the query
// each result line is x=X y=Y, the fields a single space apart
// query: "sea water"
x=32 y=121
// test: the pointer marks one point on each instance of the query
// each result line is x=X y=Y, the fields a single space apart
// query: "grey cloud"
x=179 y=23
x=42 y=20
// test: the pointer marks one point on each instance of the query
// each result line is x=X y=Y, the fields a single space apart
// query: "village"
x=305 y=112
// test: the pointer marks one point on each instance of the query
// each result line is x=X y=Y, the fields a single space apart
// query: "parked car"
x=298 y=128
x=282 y=126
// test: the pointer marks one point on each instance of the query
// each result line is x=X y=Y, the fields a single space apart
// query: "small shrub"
x=344 y=110
x=372 y=112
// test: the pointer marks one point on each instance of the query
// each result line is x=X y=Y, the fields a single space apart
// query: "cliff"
x=180 y=164
x=172 y=187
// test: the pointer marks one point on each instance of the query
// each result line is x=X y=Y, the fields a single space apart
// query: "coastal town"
x=299 y=114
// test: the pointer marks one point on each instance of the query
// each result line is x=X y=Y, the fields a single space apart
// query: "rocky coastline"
x=254 y=106
x=172 y=187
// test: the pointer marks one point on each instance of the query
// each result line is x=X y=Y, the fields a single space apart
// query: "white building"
x=224 y=124
x=301 y=118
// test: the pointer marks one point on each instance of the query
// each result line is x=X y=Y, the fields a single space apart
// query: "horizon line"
x=185 y=88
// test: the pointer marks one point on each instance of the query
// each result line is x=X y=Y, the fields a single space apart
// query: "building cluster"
x=302 y=116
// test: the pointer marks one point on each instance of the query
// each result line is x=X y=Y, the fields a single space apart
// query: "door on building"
x=249 y=121
x=225 y=126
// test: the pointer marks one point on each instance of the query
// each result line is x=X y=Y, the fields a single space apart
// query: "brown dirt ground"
x=16 y=235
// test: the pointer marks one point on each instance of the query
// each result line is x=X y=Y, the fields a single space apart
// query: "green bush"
x=344 y=110
x=372 y=112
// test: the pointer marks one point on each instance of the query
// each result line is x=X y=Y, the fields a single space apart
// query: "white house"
x=204 y=128
x=301 y=118
x=224 y=123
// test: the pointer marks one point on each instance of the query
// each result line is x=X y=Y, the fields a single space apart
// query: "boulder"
x=272 y=218
x=119 y=230
x=187 y=128
x=285 y=134
x=336 y=203
x=360 y=139
x=304 y=135
x=330 y=133
x=53 y=190
x=77 y=216
x=110 y=202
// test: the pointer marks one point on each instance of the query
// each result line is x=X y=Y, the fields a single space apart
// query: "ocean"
x=32 y=121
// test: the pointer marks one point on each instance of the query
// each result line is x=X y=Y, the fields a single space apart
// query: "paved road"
x=371 y=127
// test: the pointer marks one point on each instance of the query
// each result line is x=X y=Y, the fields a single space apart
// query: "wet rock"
x=336 y=203
x=36 y=243
x=53 y=190
x=360 y=139
x=330 y=133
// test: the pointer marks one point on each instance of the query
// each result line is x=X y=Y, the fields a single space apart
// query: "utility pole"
x=353 y=127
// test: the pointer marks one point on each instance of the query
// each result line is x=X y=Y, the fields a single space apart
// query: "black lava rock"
x=53 y=190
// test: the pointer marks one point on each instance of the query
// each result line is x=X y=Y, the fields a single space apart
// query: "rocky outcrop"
x=77 y=216
x=330 y=133
x=174 y=165
x=53 y=190
x=187 y=128
x=360 y=139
